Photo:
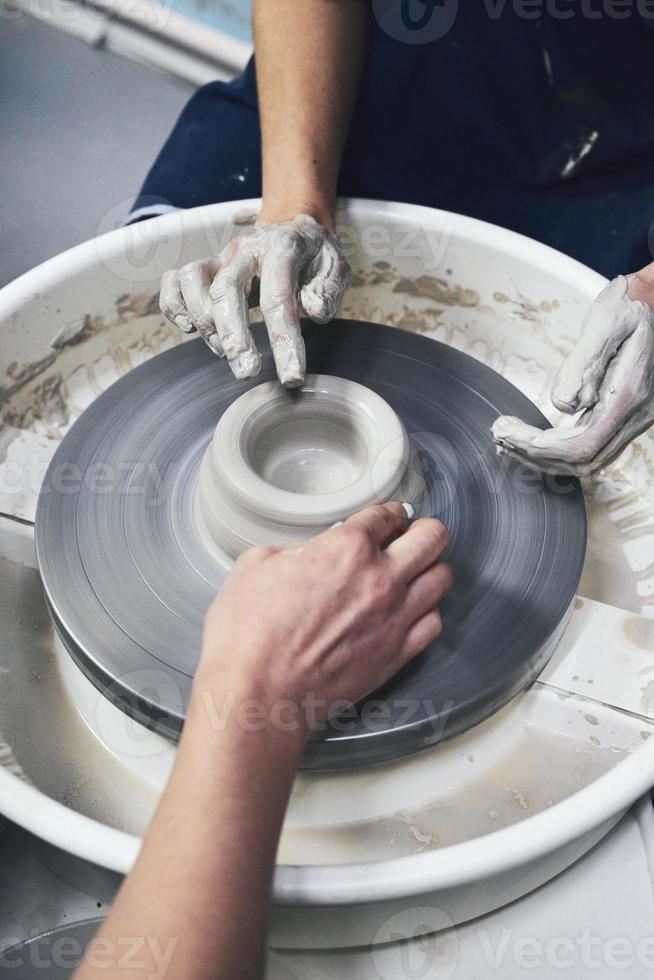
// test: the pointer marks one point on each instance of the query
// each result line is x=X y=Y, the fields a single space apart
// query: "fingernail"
x=337 y=524
x=290 y=365
x=410 y=509
x=246 y=364
x=291 y=373
x=183 y=323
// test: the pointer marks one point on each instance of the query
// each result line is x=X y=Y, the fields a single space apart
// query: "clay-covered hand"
x=334 y=617
x=290 y=259
x=609 y=377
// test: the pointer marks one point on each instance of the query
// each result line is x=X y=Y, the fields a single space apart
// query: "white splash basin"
x=471 y=824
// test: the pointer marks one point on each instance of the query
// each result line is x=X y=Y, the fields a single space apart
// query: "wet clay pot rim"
x=272 y=447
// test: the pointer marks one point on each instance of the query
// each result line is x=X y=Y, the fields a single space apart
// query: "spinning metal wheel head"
x=129 y=576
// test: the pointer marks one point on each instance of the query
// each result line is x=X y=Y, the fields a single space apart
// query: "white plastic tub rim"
x=602 y=802
x=576 y=816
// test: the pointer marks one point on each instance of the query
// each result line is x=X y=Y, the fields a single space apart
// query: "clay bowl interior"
x=318 y=446
x=285 y=464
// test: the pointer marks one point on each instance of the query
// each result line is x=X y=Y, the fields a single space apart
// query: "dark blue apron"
x=543 y=124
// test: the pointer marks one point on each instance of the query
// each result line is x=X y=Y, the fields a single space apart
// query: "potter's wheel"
x=128 y=579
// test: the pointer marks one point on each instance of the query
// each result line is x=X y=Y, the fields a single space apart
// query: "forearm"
x=207 y=860
x=309 y=56
x=288 y=622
